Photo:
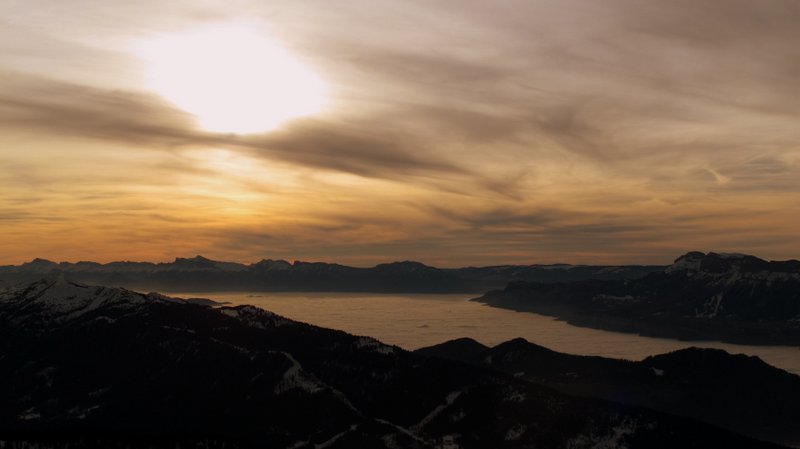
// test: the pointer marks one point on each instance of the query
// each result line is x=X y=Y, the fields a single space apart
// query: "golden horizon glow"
x=232 y=78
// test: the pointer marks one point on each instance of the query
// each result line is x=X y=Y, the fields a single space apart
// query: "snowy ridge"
x=734 y=275
x=254 y=317
x=733 y=267
x=448 y=401
x=296 y=377
x=63 y=300
x=687 y=262
x=373 y=345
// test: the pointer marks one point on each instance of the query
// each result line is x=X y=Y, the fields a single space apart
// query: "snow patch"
x=731 y=255
x=295 y=377
x=515 y=395
x=336 y=437
x=80 y=413
x=612 y=298
x=401 y=429
x=30 y=414
x=373 y=345
x=710 y=307
x=686 y=263
x=254 y=317
x=448 y=401
x=515 y=432
x=46 y=376
x=390 y=441
x=613 y=439
x=456 y=417
x=448 y=442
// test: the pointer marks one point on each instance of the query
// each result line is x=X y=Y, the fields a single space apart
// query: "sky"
x=449 y=132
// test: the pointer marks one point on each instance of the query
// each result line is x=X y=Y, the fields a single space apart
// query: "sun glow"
x=232 y=78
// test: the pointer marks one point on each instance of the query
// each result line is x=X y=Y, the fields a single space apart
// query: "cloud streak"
x=58 y=108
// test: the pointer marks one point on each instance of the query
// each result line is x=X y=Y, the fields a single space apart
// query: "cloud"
x=60 y=108
x=359 y=148
x=476 y=131
x=57 y=108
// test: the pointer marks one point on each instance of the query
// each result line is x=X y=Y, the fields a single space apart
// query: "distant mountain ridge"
x=728 y=297
x=87 y=367
x=202 y=274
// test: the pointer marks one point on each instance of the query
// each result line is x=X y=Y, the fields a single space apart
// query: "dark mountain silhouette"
x=99 y=367
x=728 y=297
x=738 y=392
x=202 y=274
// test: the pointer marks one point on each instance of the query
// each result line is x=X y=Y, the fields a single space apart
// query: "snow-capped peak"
x=688 y=262
x=62 y=299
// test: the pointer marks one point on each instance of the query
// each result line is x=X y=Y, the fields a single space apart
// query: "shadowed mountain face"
x=737 y=392
x=728 y=297
x=201 y=274
x=97 y=367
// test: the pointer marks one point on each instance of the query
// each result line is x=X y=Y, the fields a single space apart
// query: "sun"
x=231 y=77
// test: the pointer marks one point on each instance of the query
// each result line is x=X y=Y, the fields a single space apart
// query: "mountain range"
x=202 y=274
x=729 y=297
x=100 y=367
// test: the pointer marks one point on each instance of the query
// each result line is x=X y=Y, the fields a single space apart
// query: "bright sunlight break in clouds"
x=231 y=77
x=450 y=132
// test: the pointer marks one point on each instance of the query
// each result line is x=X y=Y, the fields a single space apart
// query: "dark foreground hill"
x=201 y=274
x=97 y=367
x=729 y=297
x=736 y=392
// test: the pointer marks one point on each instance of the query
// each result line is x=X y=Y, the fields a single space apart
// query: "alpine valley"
x=100 y=367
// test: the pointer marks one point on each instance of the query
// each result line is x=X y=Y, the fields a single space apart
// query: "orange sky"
x=452 y=132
